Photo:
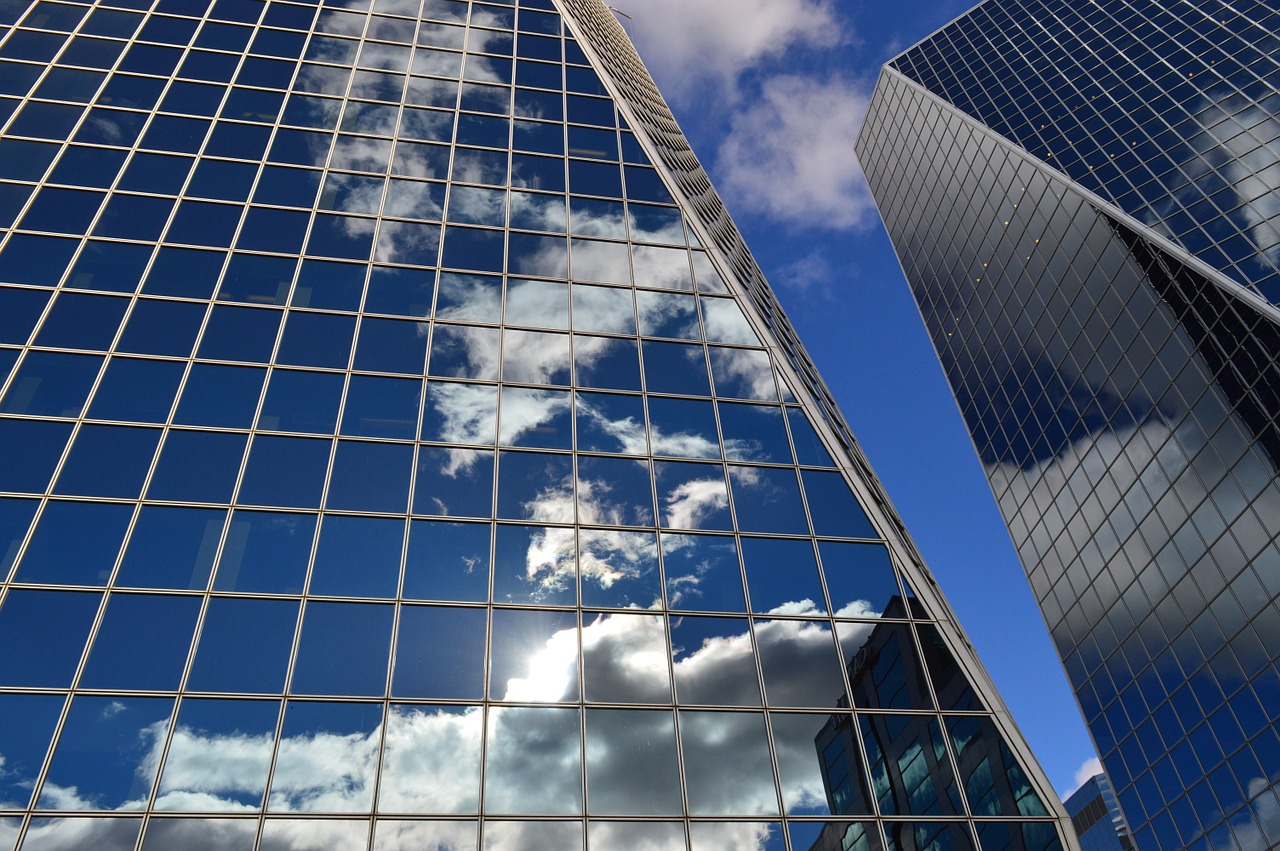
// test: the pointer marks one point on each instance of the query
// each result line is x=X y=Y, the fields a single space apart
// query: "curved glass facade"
x=1124 y=401
x=395 y=457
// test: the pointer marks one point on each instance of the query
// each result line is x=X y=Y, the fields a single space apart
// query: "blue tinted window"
x=26 y=730
x=447 y=561
x=371 y=476
x=301 y=401
x=171 y=548
x=51 y=627
x=329 y=286
x=285 y=471
x=343 y=649
x=423 y=673
x=162 y=328
x=51 y=384
x=42 y=442
x=108 y=461
x=197 y=466
x=244 y=645
x=111 y=266
x=316 y=339
x=382 y=407
x=125 y=652
x=357 y=557
x=79 y=321
x=184 y=272
x=240 y=334
x=266 y=552
x=38 y=260
x=137 y=390
x=217 y=395
x=257 y=279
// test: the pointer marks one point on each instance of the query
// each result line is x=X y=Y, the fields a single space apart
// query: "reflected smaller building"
x=1096 y=818
x=921 y=762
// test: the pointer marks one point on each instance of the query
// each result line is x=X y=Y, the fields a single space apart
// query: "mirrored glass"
x=692 y=496
x=534 y=656
x=357 y=557
x=619 y=569
x=51 y=384
x=809 y=448
x=651 y=836
x=614 y=492
x=624 y=658
x=421 y=671
x=125 y=654
x=535 y=211
x=244 y=646
x=799 y=662
x=533 y=762
x=200 y=834
x=728 y=770
x=675 y=368
x=75 y=543
x=754 y=433
x=197 y=466
x=343 y=649
x=566 y=835
x=860 y=579
x=15 y=519
x=911 y=771
x=536 y=418
x=782 y=576
x=535 y=357
x=466 y=351
x=382 y=407
x=535 y=486
x=767 y=500
x=702 y=573
x=658 y=266
x=995 y=784
x=369 y=476
x=632 y=767
x=713 y=661
x=25 y=735
x=430 y=764
x=596 y=217
x=460 y=413
x=198 y=776
x=392 y=835
x=217 y=395
x=834 y=508
x=404 y=292
x=742 y=374
x=819 y=765
x=343 y=735
x=683 y=428
x=413 y=199
x=668 y=315
x=535 y=564
x=885 y=671
x=108 y=461
x=447 y=561
x=606 y=363
x=391 y=345
x=454 y=482
x=950 y=685
x=266 y=552
x=109 y=834
x=285 y=471
x=611 y=423
x=543 y=304
x=52 y=626
x=595 y=260
x=130 y=728
x=605 y=310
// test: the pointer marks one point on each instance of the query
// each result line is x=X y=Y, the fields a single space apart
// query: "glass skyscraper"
x=400 y=449
x=1095 y=816
x=1083 y=197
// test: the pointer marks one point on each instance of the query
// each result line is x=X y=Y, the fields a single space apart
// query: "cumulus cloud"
x=1091 y=767
x=689 y=44
x=798 y=134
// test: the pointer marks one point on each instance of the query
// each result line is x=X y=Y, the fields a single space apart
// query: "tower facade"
x=1082 y=198
x=399 y=448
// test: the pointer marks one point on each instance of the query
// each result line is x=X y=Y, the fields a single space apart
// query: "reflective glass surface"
x=398 y=469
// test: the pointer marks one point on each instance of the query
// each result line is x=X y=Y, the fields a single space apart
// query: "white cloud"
x=1091 y=767
x=789 y=154
x=691 y=44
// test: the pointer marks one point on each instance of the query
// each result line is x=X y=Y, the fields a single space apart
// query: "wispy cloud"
x=1091 y=767
x=789 y=154
x=690 y=44
x=764 y=78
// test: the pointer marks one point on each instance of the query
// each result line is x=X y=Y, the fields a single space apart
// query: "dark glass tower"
x=1082 y=197
x=399 y=449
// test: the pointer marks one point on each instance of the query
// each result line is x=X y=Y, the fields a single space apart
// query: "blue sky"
x=771 y=94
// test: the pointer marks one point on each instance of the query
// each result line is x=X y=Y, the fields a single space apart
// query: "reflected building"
x=1096 y=818
x=1083 y=199
x=401 y=449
